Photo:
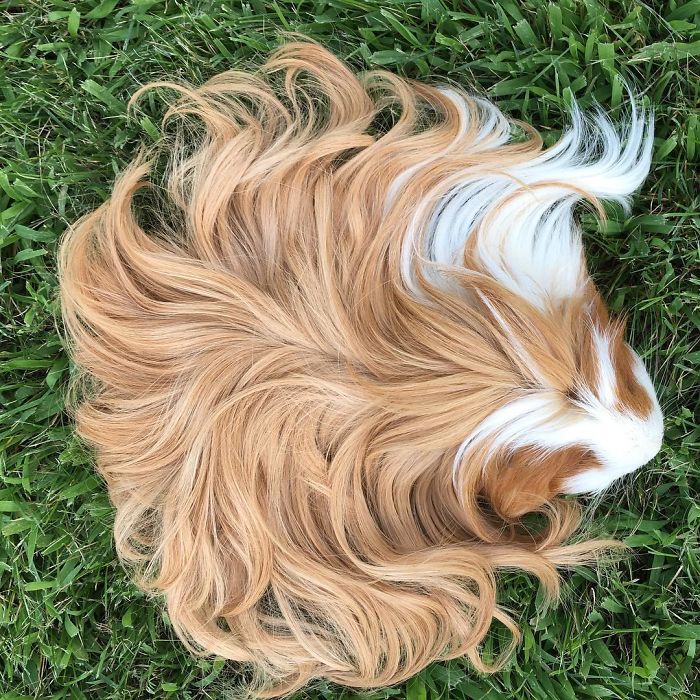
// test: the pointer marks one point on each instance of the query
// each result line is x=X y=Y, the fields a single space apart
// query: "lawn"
x=71 y=624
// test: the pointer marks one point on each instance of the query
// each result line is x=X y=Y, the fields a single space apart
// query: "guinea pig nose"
x=655 y=439
x=648 y=440
x=649 y=450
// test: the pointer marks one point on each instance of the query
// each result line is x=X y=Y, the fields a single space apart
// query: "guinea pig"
x=340 y=361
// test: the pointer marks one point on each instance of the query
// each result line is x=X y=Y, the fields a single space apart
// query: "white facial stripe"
x=631 y=442
x=607 y=383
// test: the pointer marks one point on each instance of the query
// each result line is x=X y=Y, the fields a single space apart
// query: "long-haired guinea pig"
x=337 y=343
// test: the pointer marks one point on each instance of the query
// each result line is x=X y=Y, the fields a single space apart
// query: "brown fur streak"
x=631 y=395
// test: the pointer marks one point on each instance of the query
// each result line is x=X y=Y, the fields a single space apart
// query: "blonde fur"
x=277 y=398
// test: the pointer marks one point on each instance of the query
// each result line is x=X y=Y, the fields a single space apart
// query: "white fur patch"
x=607 y=382
x=528 y=239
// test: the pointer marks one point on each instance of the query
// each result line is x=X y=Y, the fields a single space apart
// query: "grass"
x=71 y=624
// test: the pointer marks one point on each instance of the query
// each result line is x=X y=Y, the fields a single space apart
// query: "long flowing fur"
x=290 y=340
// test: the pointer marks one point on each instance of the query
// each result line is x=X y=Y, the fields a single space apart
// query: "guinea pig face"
x=619 y=417
x=575 y=435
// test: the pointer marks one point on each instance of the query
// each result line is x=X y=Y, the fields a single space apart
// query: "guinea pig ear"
x=529 y=477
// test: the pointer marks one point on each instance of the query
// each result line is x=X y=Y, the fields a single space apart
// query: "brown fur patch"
x=631 y=395
x=529 y=477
